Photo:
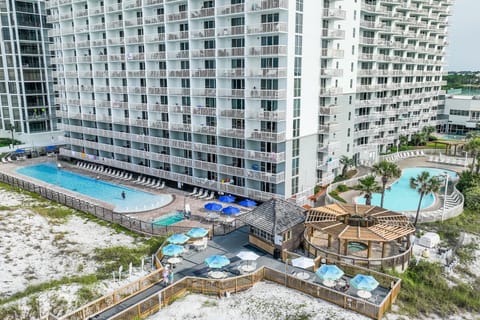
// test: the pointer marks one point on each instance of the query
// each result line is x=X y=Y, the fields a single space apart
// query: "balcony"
x=177 y=16
x=332 y=53
x=203 y=53
x=271 y=115
x=274 y=27
x=268 y=136
x=268 y=50
x=334 y=14
x=230 y=31
x=233 y=52
x=184 y=127
x=231 y=9
x=180 y=109
x=204 y=111
x=330 y=110
x=330 y=91
x=182 y=73
x=268 y=5
x=205 y=130
x=267 y=73
x=177 y=35
x=267 y=94
x=232 y=113
x=203 y=73
x=333 y=34
x=202 y=13
x=179 y=91
x=232 y=133
x=207 y=92
x=231 y=93
x=331 y=72
x=205 y=33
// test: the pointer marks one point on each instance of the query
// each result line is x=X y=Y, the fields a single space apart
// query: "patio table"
x=364 y=294
x=217 y=274
x=174 y=260
x=328 y=283
x=302 y=275
x=247 y=268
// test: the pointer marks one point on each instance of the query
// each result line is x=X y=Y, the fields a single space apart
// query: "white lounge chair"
x=211 y=196
x=193 y=192
x=162 y=185
x=139 y=178
x=205 y=195
x=199 y=194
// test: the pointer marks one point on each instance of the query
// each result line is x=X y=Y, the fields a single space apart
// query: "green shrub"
x=467 y=180
x=342 y=188
x=334 y=194
x=472 y=198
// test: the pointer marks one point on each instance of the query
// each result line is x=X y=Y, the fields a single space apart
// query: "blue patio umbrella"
x=364 y=282
x=230 y=210
x=172 y=250
x=178 y=238
x=197 y=232
x=217 y=262
x=247 y=203
x=212 y=206
x=227 y=198
x=20 y=151
x=329 y=272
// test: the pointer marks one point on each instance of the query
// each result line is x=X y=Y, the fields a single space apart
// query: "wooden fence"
x=169 y=294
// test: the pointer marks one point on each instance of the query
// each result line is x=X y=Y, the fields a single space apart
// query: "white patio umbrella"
x=248 y=255
x=303 y=262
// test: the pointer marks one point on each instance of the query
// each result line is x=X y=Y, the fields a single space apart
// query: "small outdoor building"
x=361 y=234
x=276 y=225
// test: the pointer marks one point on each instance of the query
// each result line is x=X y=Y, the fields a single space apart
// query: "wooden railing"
x=169 y=294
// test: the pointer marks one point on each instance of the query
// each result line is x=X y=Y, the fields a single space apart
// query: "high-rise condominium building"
x=26 y=87
x=249 y=97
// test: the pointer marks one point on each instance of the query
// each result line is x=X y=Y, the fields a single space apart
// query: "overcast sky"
x=463 y=51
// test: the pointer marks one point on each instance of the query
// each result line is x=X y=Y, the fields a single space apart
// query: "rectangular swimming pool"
x=135 y=200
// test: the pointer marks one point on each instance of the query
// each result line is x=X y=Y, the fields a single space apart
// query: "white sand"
x=34 y=250
x=265 y=301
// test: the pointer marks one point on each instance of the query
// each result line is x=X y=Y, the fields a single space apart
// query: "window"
x=287 y=235
x=273 y=17
x=209 y=64
x=185 y=83
x=238 y=63
x=183 y=26
x=210 y=102
x=238 y=104
x=185 y=101
x=269 y=63
x=209 y=44
x=209 y=24
x=296 y=127
x=269 y=41
x=238 y=84
x=184 y=64
x=210 y=83
x=298 y=45
x=238 y=21
x=296 y=108
x=295 y=147
x=238 y=43
x=184 y=46
x=295 y=165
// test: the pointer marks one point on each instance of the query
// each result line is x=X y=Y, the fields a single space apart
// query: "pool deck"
x=180 y=198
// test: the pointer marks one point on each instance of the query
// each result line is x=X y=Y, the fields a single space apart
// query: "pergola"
x=358 y=223
x=449 y=145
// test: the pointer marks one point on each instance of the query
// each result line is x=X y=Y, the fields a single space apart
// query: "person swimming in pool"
x=123 y=195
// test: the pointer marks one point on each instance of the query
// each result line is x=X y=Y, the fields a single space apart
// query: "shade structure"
x=230 y=210
x=217 y=262
x=247 y=203
x=227 y=198
x=329 y=272
x=197 y=232
x=172 y=250
x=364 y=282
x=178 y=238
x=248 y=255
x=212 y=206
x=303 y=262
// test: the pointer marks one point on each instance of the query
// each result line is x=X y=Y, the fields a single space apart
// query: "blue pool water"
x=169 y=219
x=135 y=200
x=403 y=198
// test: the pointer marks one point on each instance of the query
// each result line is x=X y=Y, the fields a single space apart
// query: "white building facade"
x=27 y=109
x=254 y=98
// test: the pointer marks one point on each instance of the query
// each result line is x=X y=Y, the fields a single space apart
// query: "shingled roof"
x=287 y=215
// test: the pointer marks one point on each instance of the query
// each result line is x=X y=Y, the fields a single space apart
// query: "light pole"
x=445 y=174
x=466 y=159
x=398 y=144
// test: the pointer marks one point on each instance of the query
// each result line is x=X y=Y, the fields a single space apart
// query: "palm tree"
x=473 y=147
x=368 y=186
x=386 y=170
x=424 y=184
x=346 y=162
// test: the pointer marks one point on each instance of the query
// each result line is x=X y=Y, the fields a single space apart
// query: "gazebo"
x=364 y=234
x=276 y=225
